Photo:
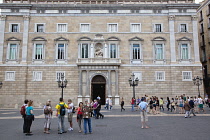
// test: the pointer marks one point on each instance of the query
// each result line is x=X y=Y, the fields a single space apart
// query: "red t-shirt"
x=132 y=101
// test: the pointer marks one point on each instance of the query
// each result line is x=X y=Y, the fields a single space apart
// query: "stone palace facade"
x=97 y=45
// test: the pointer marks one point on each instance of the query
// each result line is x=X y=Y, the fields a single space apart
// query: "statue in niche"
x=98 y=50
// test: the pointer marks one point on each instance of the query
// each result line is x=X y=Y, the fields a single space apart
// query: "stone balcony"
x=99 y=61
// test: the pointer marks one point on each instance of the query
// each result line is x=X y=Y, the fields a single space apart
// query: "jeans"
x=87 y=121
x=24 y=124
x=28 y=123
x=132 y=109
x=61 y=123
x=192 y=111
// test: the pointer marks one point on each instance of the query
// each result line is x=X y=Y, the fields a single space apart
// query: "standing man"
x=60 y=113
x=23 y=113
x=143 y=108
x=191 y=103
x=70 y=114
x=87 y=109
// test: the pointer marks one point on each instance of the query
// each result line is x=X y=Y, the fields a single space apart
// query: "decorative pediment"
x=136 y=39
x=113 y=38
x=39 y=39
x=158 y=39
x=61 y=39
x=13 y=39
x=84 y=39
x=184 y=39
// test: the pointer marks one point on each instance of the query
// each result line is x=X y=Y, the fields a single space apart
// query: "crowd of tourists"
x=84 y=112
x=179 y=104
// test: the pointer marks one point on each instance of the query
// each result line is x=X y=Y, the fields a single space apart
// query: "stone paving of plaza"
x=116 y=125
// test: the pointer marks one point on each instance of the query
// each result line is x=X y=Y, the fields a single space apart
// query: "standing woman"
x=132 y=103
x=48 y=117
x=181 y=105
x=80 y=116
x=29 y=118
x=168 y=103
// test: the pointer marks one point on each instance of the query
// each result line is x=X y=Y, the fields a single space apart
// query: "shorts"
x=200 y=106
x=70 y=116
x=181 y=105
x=144 y=117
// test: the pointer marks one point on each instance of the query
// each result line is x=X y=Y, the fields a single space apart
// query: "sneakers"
x=70 y=129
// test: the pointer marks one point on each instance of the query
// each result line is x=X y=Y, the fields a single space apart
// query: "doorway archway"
x=98 y=88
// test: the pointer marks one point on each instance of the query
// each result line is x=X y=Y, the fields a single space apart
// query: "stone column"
x=87 y=96
x=109 y=84
x=195 y=38
x=25 y=38
x=2 y=30
x=80 y=87
x=117 y=97
x=105 y=51
x=172 y=38
x=91 y=51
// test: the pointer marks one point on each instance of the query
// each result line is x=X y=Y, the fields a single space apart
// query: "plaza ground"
x=116 y=125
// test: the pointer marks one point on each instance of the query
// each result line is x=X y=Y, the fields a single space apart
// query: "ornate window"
x=113 y=47
x=13 y=49
x=159 y=48
x=61 y=49
x=84 y=47
x=184 y=49
x=136 y=49
x=38 y=48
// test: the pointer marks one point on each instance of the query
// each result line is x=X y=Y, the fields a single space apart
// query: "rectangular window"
x=14 y=28
x=113 y=50
x=160 y=76
x=201 y=30
x=183 y=28
x=84 y=48
x=37 y=76
x=13 y=51
x=61 y=27
x=158 y=28
x=58 y=75
x=138 y=75
x=10 y=76
x=159 y=51
x=184 y=52
x=186 y=75
x=112 y=27
x=135 y=27
x=136 y=51
x=39 y=27
x=85 y=27
x=201 y=15
x=39 y=51
x=61 y=51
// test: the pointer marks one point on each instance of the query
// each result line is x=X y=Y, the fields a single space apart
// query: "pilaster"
x=25 y=37
x=195 y=38
x=171 y=19
x=2 y=30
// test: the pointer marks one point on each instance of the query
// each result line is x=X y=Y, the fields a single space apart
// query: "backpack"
x=62 y=110
x=46 y=111
x=23 y=110
x=73 y=110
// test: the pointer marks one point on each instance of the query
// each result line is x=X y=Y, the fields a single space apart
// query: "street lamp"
x=198 y=81
x=62 y=83
x=1 y=84
x=133 y=82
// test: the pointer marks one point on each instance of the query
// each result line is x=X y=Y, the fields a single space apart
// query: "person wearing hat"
x=86 y=117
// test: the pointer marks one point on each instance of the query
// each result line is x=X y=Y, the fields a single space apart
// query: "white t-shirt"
x=70 y=105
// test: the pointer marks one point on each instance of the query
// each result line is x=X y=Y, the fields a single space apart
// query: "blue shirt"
x=28 y=110
x=143 y=105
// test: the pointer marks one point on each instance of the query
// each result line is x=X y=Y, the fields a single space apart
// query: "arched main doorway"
x=98 y=88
